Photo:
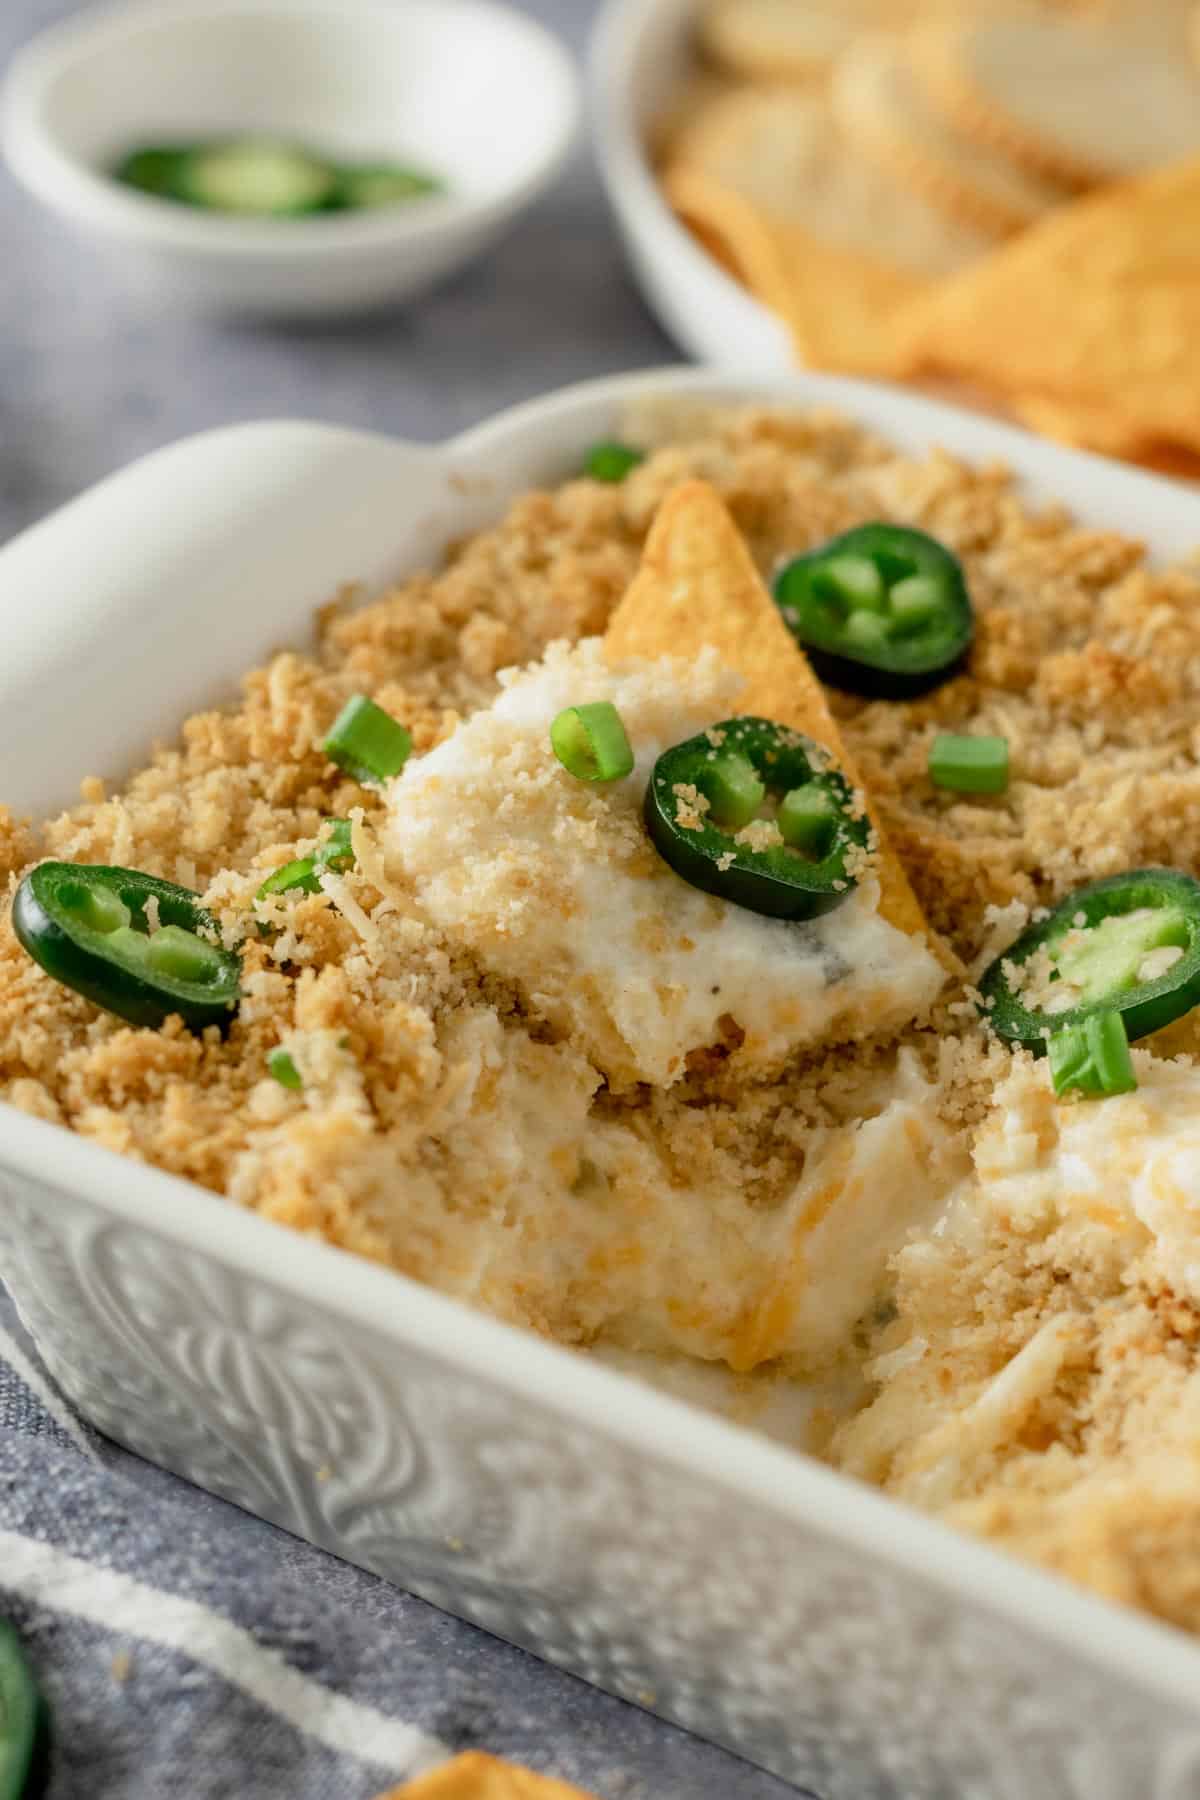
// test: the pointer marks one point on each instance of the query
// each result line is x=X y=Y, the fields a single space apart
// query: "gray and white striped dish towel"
x=189 y=1650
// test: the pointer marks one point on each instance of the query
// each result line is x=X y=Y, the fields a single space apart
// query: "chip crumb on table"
x=474 y=1776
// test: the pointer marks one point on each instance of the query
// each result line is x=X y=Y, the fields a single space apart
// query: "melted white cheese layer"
x=554 y=886
x=1124 y=1169
x=589 y=1219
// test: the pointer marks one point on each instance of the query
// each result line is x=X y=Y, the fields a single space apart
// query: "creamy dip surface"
x=556 y=887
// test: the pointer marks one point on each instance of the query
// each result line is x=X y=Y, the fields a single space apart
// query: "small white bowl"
x=471 y=90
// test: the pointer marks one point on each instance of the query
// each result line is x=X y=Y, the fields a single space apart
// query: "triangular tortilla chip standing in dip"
x=474 y=1776
x=698 y=588
x=555 y=885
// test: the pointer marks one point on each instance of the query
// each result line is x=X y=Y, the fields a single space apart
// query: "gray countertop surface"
x=91 y=377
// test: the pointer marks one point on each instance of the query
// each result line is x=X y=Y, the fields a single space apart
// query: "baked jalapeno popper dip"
x=737 y=918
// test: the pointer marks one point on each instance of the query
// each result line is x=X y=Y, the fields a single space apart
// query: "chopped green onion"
x=300 y=874
x=336 y=852
x=731 y=785
x=591 y=743
x=611 y=461
x=969 y=765
x=281 y=1066
x=806 y=818
x=1092 y=1057
x=367 y=742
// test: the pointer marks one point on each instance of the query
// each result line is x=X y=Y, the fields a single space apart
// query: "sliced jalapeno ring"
x=89 y=927
x=24 y=1724
x=882 y=611
x=707 y=797
x=1129 y=944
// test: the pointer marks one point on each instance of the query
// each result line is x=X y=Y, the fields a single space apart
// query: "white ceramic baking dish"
x=640 y=52
x=730 y=1584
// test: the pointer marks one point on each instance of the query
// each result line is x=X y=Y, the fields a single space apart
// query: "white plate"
x=736 y=1587
x=468 y=88
x=639 y=53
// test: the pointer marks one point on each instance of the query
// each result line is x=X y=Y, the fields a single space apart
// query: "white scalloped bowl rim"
x=545 y=436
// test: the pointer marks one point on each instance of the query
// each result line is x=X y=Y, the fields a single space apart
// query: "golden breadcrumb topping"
x=1027 y=1381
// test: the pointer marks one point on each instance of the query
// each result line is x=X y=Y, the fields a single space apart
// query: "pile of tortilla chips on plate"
x=998 y=195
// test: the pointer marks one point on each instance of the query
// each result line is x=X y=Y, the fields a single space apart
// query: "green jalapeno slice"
x=1129 y=944
x=881 y=611
x=132 y=944
x=757 y=814
x=24 y=1723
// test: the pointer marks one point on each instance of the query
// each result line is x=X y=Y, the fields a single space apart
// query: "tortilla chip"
x=840 y=308
x=699 y=89
x=1170 y=459
x=477 y=1777
x=1105 y=433
x=1054 y=92
x=1080 y=423
x=782 y=150
x=698 y=587
x=882 y=106
x=1097 y=308
x=789 y=40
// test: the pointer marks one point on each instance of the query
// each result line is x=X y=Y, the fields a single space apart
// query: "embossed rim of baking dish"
x=638 y=50
x=222 y=498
